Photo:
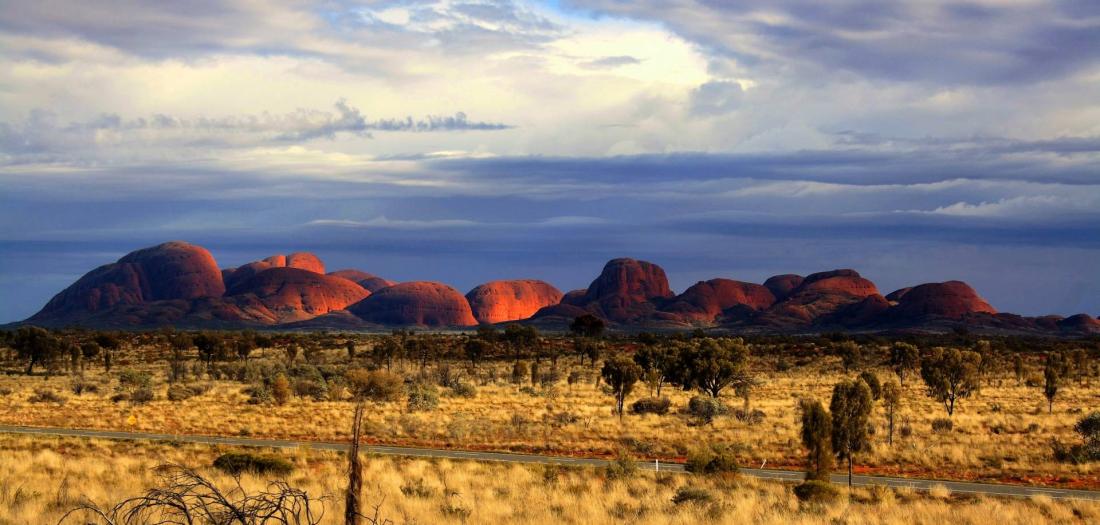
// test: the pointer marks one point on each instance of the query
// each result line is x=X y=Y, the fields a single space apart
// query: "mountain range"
x=180 y=284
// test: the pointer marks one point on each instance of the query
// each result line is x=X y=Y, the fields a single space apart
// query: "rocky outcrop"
x=781 y=286
x=950 y=300
x=419 y=303
x=502 y=301
x=896 y=295
x=1083 y=323
x=286 y=294
x=371 y=282
x=301 y=260
x=626 y=290
x=706 y=300
x=819 y=296
x=173 y=270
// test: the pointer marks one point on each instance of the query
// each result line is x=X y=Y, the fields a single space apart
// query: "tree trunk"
x=849 y=470
x=355 y=472
x=890 y=433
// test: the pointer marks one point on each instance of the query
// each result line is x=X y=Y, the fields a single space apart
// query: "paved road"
x=990 y=489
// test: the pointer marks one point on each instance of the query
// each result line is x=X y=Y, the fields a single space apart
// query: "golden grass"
x=1002 y=433
x=41 y=478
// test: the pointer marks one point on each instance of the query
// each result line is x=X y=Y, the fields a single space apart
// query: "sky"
x=467 y=141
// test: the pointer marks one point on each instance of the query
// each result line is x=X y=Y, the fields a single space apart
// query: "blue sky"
x=461 y=141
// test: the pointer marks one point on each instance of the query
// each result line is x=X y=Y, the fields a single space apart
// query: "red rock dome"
x=896 y=295
x=371 y=282
x=173 y=270
x=625 y=289
x=706 y=300
x=301 y=260
x=294 y=294
x=819 y=296
x=502 y=301
x=419 y=303
x=952 y=299
x=1080 y=323
x=781 y=286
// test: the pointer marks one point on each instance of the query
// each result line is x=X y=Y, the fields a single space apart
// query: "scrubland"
x=42 y=478
x=1002 y=433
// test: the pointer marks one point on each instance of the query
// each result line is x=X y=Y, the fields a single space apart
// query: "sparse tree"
x=587 y=325
x=620 y=374
x=37 y=346
x=387 y=351
x=950 y=375
x=850 y=408
x=476 y=349
x=711 y=365
x=1019 y=367
x=657 y=362
x=891 y=401
x=817 y=439
x=519 y=372
x=904 y=358
x=1052 y=378
x=350 y=346
x=851 y=354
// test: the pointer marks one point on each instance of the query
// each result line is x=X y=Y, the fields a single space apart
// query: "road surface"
x=962 y=487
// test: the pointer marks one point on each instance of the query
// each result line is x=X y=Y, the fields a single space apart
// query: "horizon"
x=465 y=142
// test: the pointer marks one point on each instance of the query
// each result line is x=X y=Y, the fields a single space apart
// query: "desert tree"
x=711 y=365
x=620 y=374
x=1052 y=378
x=891 y=401
x=520 y=338
x=1019 y=368
x=851 y=354
x=904 y=358
x=476 y=348
x=816 y=437
x=587 y=325
x=587 y=347
x=950 y=374
x=385 y=352
x=850 y=408
x=873 y=383
x=658 y=364
x=37 y=346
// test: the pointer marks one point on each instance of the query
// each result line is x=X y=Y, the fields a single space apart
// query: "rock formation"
x=371 y=282
x=301 y=260
x=419 y=303
x=819 y=296
x=781 y=286
x=292 y=294
x=706 y=300
x=625 y=290
x=951 y=300
x=502 y=301
x=173 y=270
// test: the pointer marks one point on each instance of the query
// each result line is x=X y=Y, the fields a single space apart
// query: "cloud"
x=716 y=98
x=928 y=41
x=610 y=62
x=42 y=131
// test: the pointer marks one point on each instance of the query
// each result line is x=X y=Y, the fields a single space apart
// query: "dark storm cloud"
x=934 y=42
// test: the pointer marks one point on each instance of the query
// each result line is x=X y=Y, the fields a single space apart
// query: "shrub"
x=315 y=389
x=45 y=395
x=142 y=395
x=130 y=379
x=706 y=408
x=873 y=383
x=691 y=495
x=622 y=467
x=422 y=397
x=259 y=395
x=280 y=389
x=417 y=489
x=814 y=491
x=464 y=389
x=942 y=425
x=237 y=463
x=651 y=405
x=178 y=392
x=80 y=387
x=751 y=417
x=711 y=460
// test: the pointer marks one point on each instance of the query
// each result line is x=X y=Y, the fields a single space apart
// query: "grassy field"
x=42 y=478
x=1002 y=433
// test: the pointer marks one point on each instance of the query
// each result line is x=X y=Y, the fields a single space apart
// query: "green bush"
x=622 y=467
x=815 y=491
x=691 y=495
x=942 y=425
x=706 y=408
x=422 y=397
x=237 y=463
x=142 y=395
x=651 y=405
x=464 y=389
x=711 y=460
